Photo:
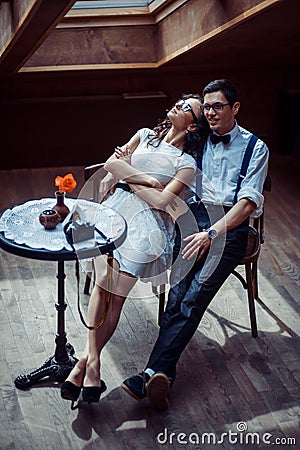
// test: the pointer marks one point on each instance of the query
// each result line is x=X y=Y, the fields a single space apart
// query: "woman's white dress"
x=146 y=252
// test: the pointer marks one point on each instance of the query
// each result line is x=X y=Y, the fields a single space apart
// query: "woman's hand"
x=156 y=184
x=123 y=153
x=197 y=246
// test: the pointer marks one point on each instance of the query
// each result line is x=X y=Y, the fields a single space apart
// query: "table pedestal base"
x=51 y=369
x=58 y=366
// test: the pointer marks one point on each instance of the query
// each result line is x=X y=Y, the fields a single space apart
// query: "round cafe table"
x=22 y=234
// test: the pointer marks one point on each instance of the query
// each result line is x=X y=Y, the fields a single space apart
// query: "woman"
x=155 y=166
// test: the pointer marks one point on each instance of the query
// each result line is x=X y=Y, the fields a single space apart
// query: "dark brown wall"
x=69 y=131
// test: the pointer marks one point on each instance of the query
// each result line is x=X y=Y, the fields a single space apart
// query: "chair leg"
x=155 y=290
x=251 y=299
x=255 y=280
x=87 y=283
x=161 y=305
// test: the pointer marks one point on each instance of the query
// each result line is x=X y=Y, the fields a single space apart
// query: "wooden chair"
x=256 y=238
x=94 y=174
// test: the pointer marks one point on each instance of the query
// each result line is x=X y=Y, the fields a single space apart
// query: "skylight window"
x=111 y=4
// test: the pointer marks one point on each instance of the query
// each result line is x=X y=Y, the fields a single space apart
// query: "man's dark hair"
x=229 y=91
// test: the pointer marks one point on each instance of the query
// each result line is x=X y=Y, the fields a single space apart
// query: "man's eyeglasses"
x=217 y=107
x=186 y=107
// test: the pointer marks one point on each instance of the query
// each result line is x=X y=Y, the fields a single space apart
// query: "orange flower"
x=66 y=183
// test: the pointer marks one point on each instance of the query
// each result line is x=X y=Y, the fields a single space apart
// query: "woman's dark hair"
x=228 y=89
x=194 y=141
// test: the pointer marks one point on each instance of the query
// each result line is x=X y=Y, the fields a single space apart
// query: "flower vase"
x=60 y=206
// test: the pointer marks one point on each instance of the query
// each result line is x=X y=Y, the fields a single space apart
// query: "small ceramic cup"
x=49 y=218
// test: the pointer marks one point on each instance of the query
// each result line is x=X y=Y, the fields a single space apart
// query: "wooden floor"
x=227 y=381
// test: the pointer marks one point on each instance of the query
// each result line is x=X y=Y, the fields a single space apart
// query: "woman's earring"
x=186 y=131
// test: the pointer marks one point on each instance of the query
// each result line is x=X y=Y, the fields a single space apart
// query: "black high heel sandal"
x=69 y=391
x=91 y=394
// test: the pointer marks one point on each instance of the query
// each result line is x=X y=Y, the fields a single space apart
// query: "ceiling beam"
x=25 y=26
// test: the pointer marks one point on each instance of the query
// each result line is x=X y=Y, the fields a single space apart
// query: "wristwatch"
x=212 y=234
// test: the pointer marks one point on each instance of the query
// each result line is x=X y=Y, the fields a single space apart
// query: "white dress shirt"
x=221 y=166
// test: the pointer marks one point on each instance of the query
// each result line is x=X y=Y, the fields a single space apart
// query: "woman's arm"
x=123 y=171
x=161 y=198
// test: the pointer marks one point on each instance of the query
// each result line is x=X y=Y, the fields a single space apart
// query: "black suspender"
x=245 y=163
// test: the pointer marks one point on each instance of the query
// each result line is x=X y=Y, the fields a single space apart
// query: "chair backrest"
x=253 y=245
x=89 y=174
x=267 y=187
x=256 y=235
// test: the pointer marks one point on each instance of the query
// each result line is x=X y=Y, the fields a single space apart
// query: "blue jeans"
x=194 y=287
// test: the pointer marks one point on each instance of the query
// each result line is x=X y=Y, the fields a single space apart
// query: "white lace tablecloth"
x=21 y=223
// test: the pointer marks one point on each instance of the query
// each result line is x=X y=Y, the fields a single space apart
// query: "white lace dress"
x=146 y=252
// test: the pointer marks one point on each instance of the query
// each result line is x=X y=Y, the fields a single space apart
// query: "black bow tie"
x=215 y=139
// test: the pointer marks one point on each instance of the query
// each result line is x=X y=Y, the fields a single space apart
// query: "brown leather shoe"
x=157 y=390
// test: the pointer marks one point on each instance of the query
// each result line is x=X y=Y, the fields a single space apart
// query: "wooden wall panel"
x=106 y=45
x=199 y=20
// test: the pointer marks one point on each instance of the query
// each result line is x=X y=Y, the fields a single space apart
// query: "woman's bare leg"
x=77 y=374
x=120 y=287
x=98 y=338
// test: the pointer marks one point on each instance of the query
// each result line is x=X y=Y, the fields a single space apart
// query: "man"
x=219 y=243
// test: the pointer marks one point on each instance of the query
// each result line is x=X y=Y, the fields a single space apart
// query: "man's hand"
x=197 y=246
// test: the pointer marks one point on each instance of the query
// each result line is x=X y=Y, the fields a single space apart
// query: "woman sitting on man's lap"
x=155 y=167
